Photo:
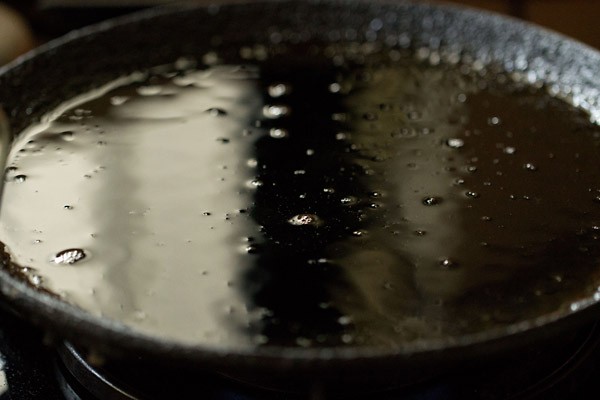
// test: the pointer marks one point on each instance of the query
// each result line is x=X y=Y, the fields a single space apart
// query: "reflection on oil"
x=153 y=180
x=301 y=201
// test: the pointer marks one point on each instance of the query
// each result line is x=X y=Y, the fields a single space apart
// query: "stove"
x=564 y=368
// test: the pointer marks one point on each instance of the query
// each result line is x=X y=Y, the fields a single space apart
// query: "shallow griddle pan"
x=88 y=58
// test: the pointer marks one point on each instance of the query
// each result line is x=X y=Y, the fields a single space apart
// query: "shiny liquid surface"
x=303 y=201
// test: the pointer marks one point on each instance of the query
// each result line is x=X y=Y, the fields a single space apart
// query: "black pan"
x=85 y=59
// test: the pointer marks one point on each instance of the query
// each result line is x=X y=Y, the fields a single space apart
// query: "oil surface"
x=309 y=199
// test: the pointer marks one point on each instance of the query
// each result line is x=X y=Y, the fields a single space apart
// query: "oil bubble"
x=334 y=87
x=69 y=256
x=305 y=219
x=455 y=143
x=493 y=121
x=275 y=111
x=278 y=133
x=118 y=100
x=278 y=89
x=216 y=112
x=432 y=200
x=348 y=200
x=448 y=263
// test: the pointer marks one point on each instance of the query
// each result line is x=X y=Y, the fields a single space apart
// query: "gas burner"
x=555 y=370
x=136 y=380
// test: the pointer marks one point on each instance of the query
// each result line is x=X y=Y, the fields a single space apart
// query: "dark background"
x=27 y=23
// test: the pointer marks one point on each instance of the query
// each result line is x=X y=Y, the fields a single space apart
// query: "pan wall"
x=575 y=18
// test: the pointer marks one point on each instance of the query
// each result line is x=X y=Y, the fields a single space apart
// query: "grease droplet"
x=448 y=263
x=275 y=111
x=69 y=256
x=216 y=112
x=455 y=143
x=305 y=219
x=432 y=200
x=278 y=133
x=278 y=89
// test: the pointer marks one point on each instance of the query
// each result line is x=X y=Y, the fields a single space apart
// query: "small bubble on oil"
x=67 y=136
x=509 y=150
x=432 y=200
x=348 y=200
x=340 y=117
x=251 y=249
x=448 y=263
x=455 y=143
x=493 y=121
x=35 y=279
x=305 y=219
x=118 y=100
x=254 y=183
x=216 y=112
x=278 y=89
x=334 y=88
x=278 y=133
x=347 y=338
x=275 y=111
x=69 y=256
